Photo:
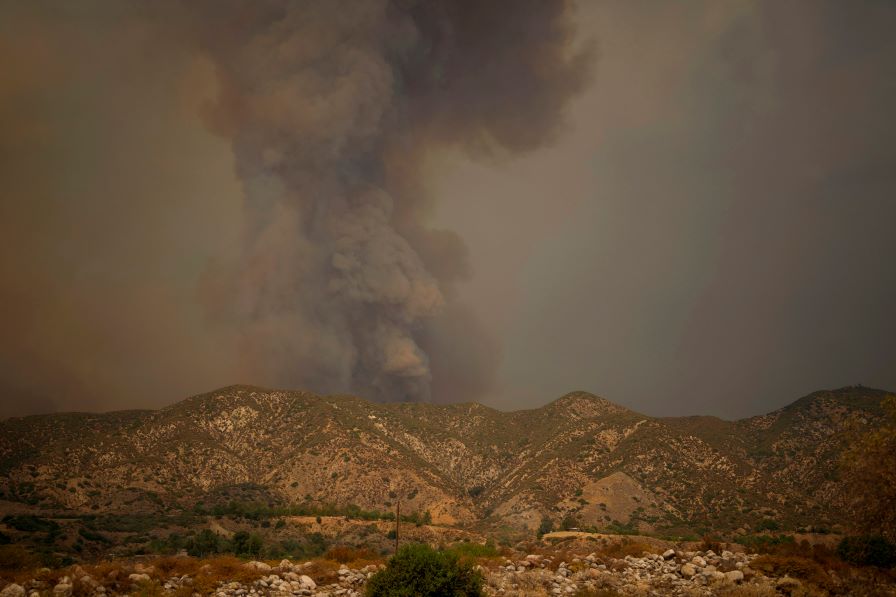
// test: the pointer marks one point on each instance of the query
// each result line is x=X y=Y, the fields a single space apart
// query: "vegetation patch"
x=419 y=570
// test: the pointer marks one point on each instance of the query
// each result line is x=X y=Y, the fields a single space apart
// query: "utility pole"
x=397 y=522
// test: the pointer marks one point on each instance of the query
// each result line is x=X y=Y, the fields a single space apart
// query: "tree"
x=546 y=526
x=869 y=472
x=204 y=544
x=246 y=544
x=569 y=522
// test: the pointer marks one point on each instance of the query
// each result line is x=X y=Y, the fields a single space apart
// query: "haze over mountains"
x=579 y=458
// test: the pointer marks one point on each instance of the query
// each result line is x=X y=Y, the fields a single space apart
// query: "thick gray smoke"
x=331 y=107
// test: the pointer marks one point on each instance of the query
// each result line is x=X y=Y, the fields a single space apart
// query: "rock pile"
x=670 y=573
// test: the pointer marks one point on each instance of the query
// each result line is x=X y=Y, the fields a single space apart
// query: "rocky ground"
x=674 y=572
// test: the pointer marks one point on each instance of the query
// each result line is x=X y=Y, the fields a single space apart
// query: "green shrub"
x=768 y=524
x=546 y=526
x=246 y=544
x=867 y=550
x=569 y=522
x=419 y=570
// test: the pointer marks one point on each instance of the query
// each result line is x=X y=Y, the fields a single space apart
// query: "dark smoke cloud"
x=330 y=110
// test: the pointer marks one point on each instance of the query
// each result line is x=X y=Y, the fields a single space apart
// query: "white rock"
x=63 y=589
x=734 y=575
x=668 y=554
x=13 y=590
x=138 y=577
x=256 y=565
x=688 y=570
x=307 y=582
x=698 y=561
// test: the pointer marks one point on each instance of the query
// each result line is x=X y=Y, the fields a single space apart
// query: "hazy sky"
x=696 y=219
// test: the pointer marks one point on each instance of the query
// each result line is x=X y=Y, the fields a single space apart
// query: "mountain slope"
x=579 y=457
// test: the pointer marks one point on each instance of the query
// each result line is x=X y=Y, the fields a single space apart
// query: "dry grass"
x=626 y=547
x=208 y=573
x=344 y=555
x=747 y=590
x=596 y=593
x=175 y=566
x=804 y=569
x=16 y=563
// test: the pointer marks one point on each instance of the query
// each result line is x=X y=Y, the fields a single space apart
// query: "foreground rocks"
x=674 y=572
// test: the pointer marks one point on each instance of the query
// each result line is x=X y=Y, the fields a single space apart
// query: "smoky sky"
x=686 y=208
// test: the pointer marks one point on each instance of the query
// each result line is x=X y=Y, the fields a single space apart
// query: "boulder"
x=698 y=561
x=715 y=575
x=307 y=582
x=13 y=590
x=256 y=565
x=734 y=575
x=688 y=570
x=63 y=589
x=668 y=554
x=138 y=577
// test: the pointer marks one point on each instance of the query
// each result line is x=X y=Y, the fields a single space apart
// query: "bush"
x=768 y=524
x=867 y=550
x=419 y=570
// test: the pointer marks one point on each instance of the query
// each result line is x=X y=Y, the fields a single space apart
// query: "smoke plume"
x=330 y=108
x=203 y=193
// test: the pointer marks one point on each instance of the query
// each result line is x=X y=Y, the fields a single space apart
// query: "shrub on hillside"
x=419 y=570
x=867 y=550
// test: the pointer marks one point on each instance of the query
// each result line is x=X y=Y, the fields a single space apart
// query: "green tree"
x=546 y=526
x=246 y=544
x=203 y=544
x=569 y=522
x=869 y=473
x=420 y=571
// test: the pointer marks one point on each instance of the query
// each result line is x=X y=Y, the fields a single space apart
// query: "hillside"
x=580 y=457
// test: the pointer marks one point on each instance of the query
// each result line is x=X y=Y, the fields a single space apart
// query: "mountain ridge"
x=579 y=457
